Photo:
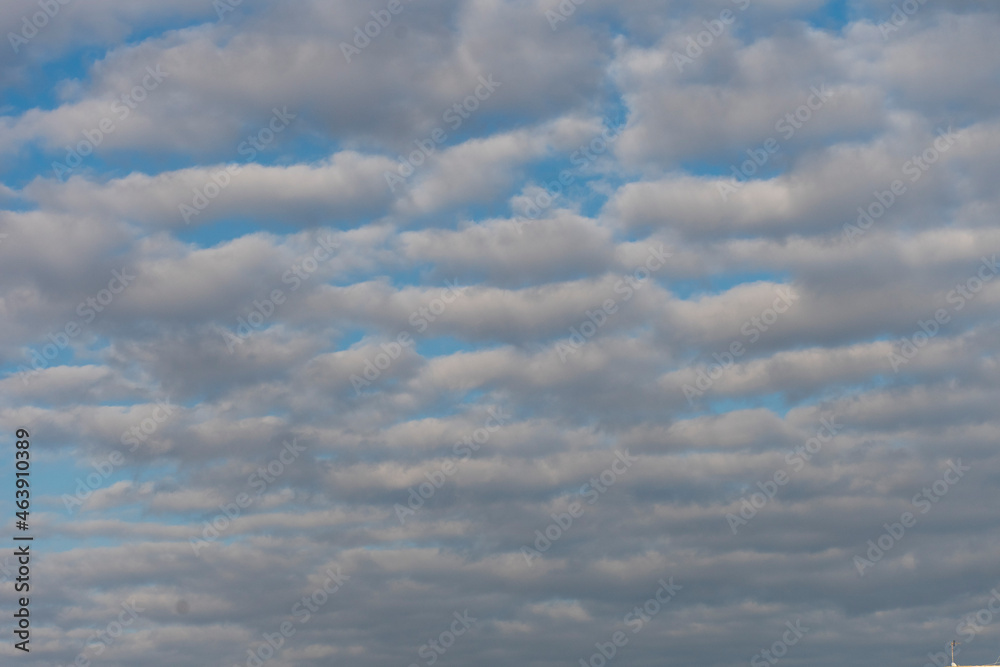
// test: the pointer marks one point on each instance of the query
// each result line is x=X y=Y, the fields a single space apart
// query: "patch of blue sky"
x=75 y=473
x=580 y=162
x=53 y=470
x=423 y=274
x=586 y=193
x=309 y=148
x=474 y=397
x=109 y=164
x=592 y=206
x=466 y=214
x=23 y=93
x=442 y=346
x=16 y=205
x=479 y=125
x=776 y=402
x=18 y=171
x=220 y=231
x=60 y=543
x=104 y=164
x=606 y=20
x=41 y=355
x=350 y=337
x=834 y=15
x=100 y=164
x=733 y=163
x=754 y=20
x=460 y=215
x=719 y=283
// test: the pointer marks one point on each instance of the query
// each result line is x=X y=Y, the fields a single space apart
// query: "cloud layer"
x=503 y=332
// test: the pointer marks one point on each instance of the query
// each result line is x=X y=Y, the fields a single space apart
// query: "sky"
x=529 y=333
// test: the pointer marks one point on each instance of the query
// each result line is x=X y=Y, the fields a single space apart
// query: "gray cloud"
x=439 y=304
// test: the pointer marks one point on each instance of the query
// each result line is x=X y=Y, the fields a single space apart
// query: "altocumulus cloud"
x=460 y=379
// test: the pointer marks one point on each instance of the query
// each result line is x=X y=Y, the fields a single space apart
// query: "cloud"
x=427 y=392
